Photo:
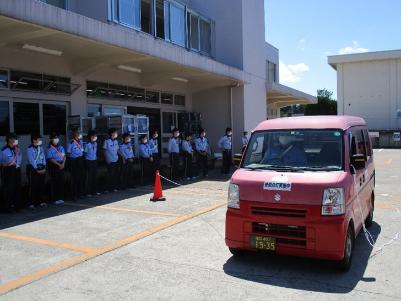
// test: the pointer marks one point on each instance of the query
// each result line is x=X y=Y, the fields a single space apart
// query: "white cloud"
x=355 y=48
x=290 y=74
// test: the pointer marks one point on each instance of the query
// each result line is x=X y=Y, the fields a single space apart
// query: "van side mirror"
x=358 y=161
x=237 y=160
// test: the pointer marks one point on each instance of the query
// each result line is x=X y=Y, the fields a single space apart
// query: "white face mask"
x=229 y=133
x=155 y=136
x=79 y=136
x=15 y=142
x=145 y=141
x=56 y=140
x=94 y=139
x=39 y=143
x=176 y=135
x=114 y=136
x=128 y=140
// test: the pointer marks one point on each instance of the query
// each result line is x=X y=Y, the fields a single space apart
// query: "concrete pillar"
x=78 y=98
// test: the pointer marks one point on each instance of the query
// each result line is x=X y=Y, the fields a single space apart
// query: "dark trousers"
x=202 y=163
x=91 y=176
x=127 y=174
x=188 y=165
x=175 y=163
x=56 y=182
x=11 y=178
x=227 y=159
x=148 y=170
x=113 y=175
x=156 y=162
x=77 y=177
x=37 y=188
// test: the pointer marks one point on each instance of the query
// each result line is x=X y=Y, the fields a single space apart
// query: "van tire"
x=345 y=264
x=369 y=219
x=237 y=252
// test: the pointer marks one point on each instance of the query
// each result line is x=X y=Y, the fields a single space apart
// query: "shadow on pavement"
x=26 y=215
x=304 y=274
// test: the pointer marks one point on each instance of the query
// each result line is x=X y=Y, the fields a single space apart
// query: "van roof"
x=311 y=122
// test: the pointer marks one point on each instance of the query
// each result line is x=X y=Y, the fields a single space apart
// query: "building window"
x=136 y=94
x=26 y=81
x=26 y=118
x=271 y=72
x=94 y=110
x=54 y=119
x=176 y=13
x=179 y=100
x=114 y=110
x=147 y=16
x=205 y=36
x=161 y=23
x=3 y=79
x=152 y=96
x=4 y=118
x=167 y=98
x=58 y=3
x=128 y=13
x=193 y=25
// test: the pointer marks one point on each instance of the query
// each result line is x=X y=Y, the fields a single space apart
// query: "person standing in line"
x=225 y=145
x=188 y=156
x=110 y=150
x=10 y=162
x=127 y=155
x=154 y=147
x=90 y=150
x=202 y=148
x=36 y=172
x=56 y=163
x=75 y=153
x=147 y=160
x=174 y=151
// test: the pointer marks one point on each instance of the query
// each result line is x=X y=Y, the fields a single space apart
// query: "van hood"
x=302 y=188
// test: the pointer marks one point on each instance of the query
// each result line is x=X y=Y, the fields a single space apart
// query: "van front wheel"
x=346 y=262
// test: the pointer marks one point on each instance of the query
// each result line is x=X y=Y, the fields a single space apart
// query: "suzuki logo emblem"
x=277 y=197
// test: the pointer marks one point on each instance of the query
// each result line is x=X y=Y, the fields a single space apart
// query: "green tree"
x=326 y=105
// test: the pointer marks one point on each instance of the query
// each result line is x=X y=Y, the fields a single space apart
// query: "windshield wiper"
x=321 y=168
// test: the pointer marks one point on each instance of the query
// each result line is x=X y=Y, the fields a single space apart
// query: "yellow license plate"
x=263 y=243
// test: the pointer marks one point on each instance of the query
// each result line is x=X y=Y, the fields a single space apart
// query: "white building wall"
x=372 y=90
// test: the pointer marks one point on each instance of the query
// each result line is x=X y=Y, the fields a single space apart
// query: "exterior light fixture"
x=42 y=50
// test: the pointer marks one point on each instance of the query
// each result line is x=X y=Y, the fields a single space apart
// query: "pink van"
x=304 y=187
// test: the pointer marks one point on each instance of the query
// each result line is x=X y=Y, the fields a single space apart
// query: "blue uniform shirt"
x=127 y=151
x=201 y=144
x=90 y=150
x=145 y=150
x=225 y=143
x=111 y=147
x=36 y=156
x=173 y=146
x=10 y=156
x=75 y=149
x=187 y=147
x=153 y=144
x=56 y=153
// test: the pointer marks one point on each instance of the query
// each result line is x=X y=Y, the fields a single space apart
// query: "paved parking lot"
x=123 y=247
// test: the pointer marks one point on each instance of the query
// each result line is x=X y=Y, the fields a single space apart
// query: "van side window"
x=368 y=145
x=358 y=143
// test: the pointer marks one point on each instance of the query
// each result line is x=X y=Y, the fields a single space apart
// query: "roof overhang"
x=283 y=96
x=334 y=60
x=87 y=45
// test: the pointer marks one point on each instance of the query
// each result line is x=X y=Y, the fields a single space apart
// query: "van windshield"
x=295 y=150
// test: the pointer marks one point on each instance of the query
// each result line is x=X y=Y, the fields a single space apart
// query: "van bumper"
x=320 y=236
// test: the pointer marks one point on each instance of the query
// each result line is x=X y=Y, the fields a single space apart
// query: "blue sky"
x=306 y=31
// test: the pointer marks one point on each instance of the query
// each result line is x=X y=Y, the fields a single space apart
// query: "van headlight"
x=333 y=201
x=233 y=196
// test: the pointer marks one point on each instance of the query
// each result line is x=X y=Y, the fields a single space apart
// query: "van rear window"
x=312 y=150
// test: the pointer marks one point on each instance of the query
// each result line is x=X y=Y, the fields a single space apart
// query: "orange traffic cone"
x=157 y=192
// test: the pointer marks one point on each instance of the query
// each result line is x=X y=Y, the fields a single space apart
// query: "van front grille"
x=279 y=212
x=279 y=230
